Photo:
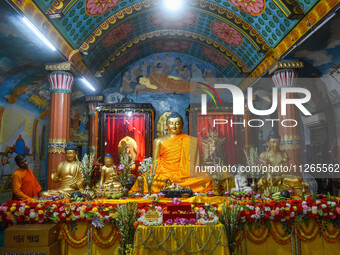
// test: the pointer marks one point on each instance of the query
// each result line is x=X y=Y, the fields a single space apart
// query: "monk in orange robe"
x=176 y=155
x=25 y=185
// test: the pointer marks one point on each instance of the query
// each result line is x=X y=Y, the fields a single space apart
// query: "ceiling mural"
x=239 y=37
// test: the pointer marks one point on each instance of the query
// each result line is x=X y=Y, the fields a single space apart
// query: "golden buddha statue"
x=68 y=174
x=108 y=183
x=174 y=154
x=276 y=158
x=128 y=146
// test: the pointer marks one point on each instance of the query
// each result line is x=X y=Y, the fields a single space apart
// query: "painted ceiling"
x=241 y=38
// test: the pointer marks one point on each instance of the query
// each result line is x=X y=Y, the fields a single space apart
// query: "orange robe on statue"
x=174 y=164
x=25 y=185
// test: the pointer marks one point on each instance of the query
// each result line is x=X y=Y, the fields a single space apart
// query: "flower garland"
x=109 y=240
x=212 y=218
x=71 y=239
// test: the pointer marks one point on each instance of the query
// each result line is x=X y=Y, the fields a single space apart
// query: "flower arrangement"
x=86 y=166
x=318 y=207
x=127 y=215
x=124 y=169
x=229 y=217
x=148 y=169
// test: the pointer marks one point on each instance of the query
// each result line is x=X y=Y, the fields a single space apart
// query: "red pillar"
x=290 y=136
x=93 y=128
x=61 y=85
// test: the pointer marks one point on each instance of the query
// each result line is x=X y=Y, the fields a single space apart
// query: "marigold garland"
x=305 y=235
x=277 y=236
x=71 y=239
x=332 y=238
x=108 y=241
x=260 y=238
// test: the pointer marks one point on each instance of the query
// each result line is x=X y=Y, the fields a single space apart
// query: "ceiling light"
x=173 y=5
x=89 y=85
x=38 y=33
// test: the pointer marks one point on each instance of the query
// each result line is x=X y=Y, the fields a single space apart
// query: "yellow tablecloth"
x=197 y=239
x=195 y=199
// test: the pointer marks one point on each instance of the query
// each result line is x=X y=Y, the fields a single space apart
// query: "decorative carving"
x=64 y=66
x=285 y=65
x=94 y=99
x=162 y=128
x=290 y=142
x=56 y=145
x=212 y=145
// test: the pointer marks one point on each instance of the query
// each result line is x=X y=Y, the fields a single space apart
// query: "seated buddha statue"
x=68 y=174
x=174 y=154
x=276 y=158
x=108 y=183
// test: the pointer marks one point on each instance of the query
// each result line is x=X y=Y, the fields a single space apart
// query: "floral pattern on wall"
x=118 y=34
x=226 y=33
x=99 y=7
x=215 y=56
x=252 y=7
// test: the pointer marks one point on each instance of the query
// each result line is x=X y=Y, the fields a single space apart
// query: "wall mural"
x=165 y=72
x=79 y=133
x=24 y=125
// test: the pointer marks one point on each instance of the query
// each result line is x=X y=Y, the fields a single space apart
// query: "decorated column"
x=284 y=74
x=61 y=83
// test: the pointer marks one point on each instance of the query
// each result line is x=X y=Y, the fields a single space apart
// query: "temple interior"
x=188 y=83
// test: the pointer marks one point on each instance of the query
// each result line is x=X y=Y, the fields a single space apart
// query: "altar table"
x=181 y=239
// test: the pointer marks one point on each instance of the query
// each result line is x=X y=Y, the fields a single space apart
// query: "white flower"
x=21 y=209
x=33 y=215
x=324 y=206
x=55 y=214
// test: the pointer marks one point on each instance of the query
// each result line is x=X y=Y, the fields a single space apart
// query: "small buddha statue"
x=68 y=174
x=241 y=183
x=109 y=178
x=276 y=158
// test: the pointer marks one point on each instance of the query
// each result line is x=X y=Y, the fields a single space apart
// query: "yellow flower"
x=287 y=208
x=272 y=213
x=41 y=212
x=8 y=213
x=72 y=216
x=82 y=216
x=94 y=209
x=295 y=208
x=13 y=208
x=26 y=206
x=113 y=215
x=196 y=209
